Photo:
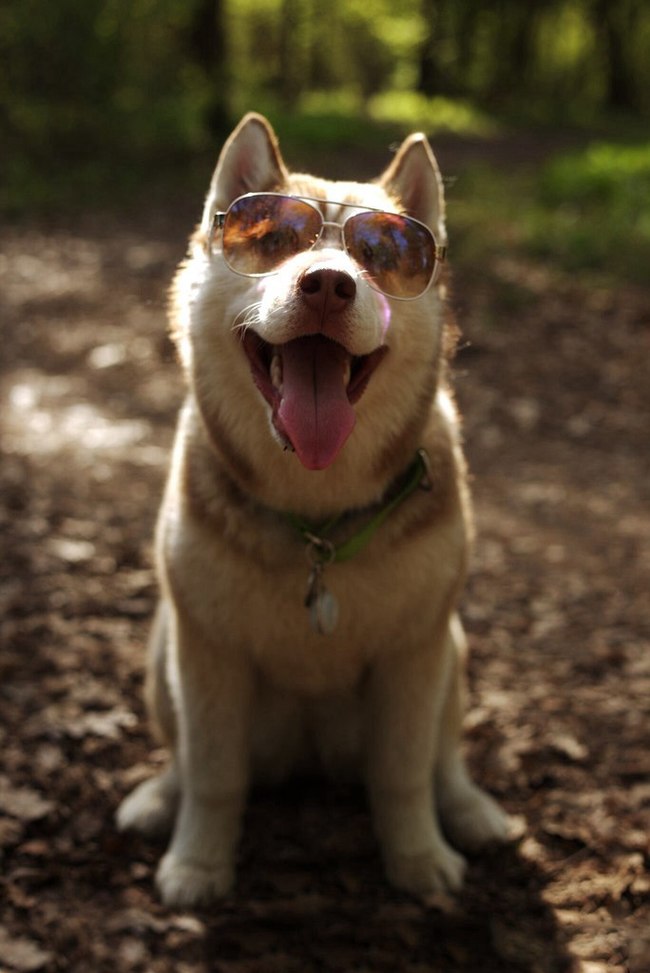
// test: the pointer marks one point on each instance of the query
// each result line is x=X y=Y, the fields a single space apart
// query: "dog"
x=313 y=538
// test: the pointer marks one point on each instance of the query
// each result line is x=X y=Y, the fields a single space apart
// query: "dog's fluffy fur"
x=239 y=683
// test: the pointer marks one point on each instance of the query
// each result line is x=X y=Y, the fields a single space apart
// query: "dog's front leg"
x=212 y=690
x=406 y=702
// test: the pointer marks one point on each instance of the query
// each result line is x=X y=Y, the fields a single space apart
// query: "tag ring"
x=320 y=551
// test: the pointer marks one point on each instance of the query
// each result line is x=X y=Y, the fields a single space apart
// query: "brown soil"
x=554 y=384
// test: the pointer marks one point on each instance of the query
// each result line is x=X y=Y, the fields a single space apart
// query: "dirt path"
x=555 y=388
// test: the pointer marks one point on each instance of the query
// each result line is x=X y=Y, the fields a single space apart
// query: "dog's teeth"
x=347 y=373
x=276 y=371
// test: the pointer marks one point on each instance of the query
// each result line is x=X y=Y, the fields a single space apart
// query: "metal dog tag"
x=323 y=606
x=324 y=612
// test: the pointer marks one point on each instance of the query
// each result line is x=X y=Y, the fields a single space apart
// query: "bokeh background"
x=111 y=117
x=102 y=97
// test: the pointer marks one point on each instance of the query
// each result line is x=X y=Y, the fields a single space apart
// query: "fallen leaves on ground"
x=554 y=385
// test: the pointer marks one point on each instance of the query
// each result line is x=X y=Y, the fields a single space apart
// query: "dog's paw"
x=184 y=884
x=151 y=808
x=476 y=820
x=436 y=870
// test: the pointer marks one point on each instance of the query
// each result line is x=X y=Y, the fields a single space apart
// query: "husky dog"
x=312 y=541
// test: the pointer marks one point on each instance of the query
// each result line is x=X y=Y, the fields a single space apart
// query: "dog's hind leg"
x=151 y=807
x=470 y=817
x=157 y=694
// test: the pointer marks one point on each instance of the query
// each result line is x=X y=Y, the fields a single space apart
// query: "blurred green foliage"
x=584 y=211
x=610 y=174
x=593 y=210
x=100 y=97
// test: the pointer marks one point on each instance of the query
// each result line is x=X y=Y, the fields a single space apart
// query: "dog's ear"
x=413 y=177
x=250 y=161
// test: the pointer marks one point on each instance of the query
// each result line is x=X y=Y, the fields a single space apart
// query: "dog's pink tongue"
x=315 y=411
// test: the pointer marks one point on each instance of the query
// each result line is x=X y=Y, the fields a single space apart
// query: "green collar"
x=323 y=551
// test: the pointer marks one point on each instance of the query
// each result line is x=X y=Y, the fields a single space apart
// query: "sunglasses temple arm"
x=218 y=221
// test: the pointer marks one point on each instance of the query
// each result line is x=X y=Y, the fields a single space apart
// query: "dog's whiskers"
x=249 y=316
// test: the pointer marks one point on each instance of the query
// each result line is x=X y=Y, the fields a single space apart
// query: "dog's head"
x=302 y=358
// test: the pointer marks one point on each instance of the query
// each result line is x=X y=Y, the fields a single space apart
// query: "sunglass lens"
x=397 y=253
x=263 y=230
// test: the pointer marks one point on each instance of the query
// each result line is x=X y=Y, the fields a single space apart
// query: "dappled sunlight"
x=37 y=267
x=46 y=268
x=83 y=318
x=42 y=418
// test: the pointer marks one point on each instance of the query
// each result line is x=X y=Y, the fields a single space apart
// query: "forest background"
x=98 y=99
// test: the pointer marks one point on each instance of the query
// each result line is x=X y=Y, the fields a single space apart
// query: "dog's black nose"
x=327 y=290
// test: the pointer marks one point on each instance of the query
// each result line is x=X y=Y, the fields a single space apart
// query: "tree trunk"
x=616 y=22
x=429 y=74
x=207 y=46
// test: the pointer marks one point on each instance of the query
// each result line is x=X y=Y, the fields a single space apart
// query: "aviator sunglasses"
x=398 y=255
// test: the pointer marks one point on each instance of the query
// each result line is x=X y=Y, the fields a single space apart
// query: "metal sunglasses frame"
x=439 y=251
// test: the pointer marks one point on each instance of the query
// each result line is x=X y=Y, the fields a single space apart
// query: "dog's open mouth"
x=311 y=385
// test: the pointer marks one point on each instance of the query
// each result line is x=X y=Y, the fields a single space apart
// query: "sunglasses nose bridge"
x=330 y=233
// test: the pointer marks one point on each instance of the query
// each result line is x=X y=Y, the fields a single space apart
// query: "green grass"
x=595 y=210
x=583 y=212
